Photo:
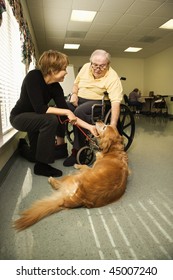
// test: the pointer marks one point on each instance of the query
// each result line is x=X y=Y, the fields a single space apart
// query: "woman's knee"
x=51 y=120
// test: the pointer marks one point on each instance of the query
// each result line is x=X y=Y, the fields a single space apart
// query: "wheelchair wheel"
x=85 y=156
x=69 y=132
x=126 y=125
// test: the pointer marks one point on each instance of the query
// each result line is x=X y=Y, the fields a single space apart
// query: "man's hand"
x=74 y=99
x=93 y=130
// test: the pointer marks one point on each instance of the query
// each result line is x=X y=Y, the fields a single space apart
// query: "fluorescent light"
x=80 y=15
x=167 y=25
x=132 y=49
x=71 y=46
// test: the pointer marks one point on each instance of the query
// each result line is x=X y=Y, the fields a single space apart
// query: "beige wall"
x=7 y=150
x=158 y=72
x=158 y=75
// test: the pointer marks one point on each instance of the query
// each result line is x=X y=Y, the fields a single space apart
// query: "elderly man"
x=92 y=81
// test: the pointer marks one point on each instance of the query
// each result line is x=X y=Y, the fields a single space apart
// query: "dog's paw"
x=99 y=155
x=77 y=166
x=80 y=166
x=49 y=179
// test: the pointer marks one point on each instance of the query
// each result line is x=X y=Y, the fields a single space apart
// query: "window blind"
x=12 y=69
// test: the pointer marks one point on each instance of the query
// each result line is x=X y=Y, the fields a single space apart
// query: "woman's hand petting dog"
x=103 y=183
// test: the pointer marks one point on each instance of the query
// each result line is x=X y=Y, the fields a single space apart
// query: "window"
x=12 y=69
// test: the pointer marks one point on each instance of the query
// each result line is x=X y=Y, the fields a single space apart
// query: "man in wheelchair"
x=94 y=78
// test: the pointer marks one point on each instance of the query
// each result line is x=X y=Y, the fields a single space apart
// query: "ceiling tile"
x=116 y=26
x=143 y=7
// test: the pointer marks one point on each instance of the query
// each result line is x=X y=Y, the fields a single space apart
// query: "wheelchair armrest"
x=102 y=106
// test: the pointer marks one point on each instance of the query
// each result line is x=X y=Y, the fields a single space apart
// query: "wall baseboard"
x=5 y=170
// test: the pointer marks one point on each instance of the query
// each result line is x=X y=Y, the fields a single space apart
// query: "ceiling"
x=118 y=24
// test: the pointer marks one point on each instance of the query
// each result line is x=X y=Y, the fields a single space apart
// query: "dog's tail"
x=38 y=211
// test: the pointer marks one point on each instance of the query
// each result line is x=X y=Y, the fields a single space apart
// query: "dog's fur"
x=97 y=186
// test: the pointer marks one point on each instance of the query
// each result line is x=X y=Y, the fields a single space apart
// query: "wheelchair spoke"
x=85 y=155
x=70 y=133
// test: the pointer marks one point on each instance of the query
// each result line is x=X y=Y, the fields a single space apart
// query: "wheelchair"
x=125 y=126
x=159 y=107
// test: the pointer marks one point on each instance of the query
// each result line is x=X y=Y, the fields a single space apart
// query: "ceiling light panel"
x=132 y=49
x=167 y=25
x=80 y=15
x=71 y=46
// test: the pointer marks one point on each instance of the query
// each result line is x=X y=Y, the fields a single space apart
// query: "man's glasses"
x=101 y=66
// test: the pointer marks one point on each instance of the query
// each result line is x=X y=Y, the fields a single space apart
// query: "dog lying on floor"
x=103 y=183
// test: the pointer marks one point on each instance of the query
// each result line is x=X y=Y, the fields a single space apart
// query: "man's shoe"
x=70 y=161
x=61 y=151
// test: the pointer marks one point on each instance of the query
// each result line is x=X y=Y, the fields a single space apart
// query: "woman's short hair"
x=52 y=61
x=103 y=53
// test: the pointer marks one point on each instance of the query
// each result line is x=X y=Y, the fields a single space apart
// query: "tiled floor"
x=138 y=226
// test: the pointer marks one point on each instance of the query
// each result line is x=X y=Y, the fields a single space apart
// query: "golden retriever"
x=95 y=186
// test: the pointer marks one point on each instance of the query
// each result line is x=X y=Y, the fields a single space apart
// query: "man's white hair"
x=101 y=53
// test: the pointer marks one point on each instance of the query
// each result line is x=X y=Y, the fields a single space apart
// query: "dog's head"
x=108 y=137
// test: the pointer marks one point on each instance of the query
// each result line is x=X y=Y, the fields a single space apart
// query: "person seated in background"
x=33 y=114
x=93 y=80
x=134 y=100
x=151 y=94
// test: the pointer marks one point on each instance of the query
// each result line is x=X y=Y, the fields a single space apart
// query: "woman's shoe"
x=46 y=170
x=22 y=142
x=25 y=151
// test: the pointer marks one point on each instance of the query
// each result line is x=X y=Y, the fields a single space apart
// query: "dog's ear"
x=105 y=145
x=119 y=140
x=110 y=137
x=107 y=138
